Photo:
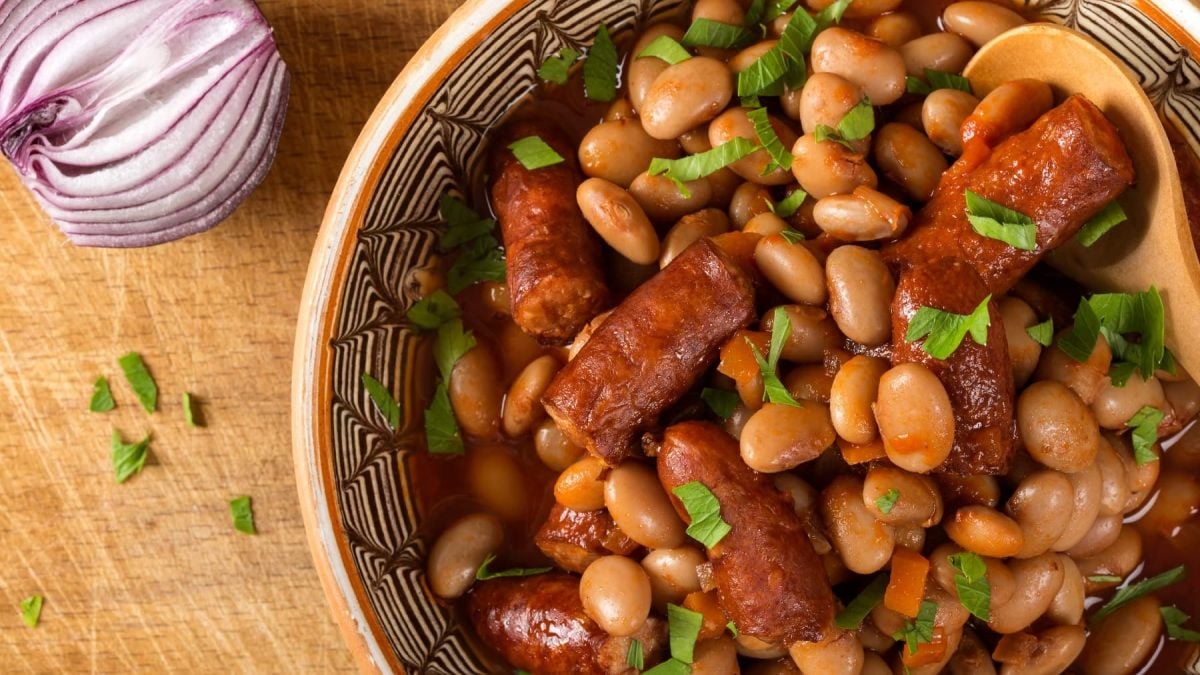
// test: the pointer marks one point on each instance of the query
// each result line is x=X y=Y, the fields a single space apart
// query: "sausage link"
x=769 y=578
x=538 y=624
x=576 y=539
x=650 y=351
x=977 y=378
x=554 y=270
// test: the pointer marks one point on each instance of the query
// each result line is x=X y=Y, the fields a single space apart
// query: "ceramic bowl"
x=380 y=229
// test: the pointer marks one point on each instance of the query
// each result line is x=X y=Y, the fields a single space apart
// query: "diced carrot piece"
x=927 y=652
x=737 y=361
x=861 y=454
x=740 y=247
x=707 y=604
x=906 y=588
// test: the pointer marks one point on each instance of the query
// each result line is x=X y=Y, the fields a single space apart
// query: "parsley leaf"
x=855 y=125
x=480 y=259
x=787 y=207
x=383 y=399
x=936 y=79
x=1042 y=333
x=683 y=627
x=557 y=69
x=442 y=435
x=887 y=501
x=721 y=401
x=944 y=331
x=1099 y=225
x=1128 y=594
x=1174 y=618
x=764 y=77
x=833 y=13
x=698 y=166
x=914 y=633
x=243 y=517
x=140 y=380
x=704 y=510
x=453 y=341
x=781 y=157
x=1104 y=579
x=666 y=48
x=191 y=411
x=600 y=67
x=709 y=33
x=31 y=610
x=733 y=629
x=970 y=578
x=484 y=573
x=852 y=616
x=128 y=459
x=792 y=236
x=755 y=13
x=463 y=224
x=533 y=153
x=773 y=389
x=996 y=221
x=635 y=658
x=670 y=667
x=433 y=310
x=102 y=399
x=1142 y=313
x=1079 y=342
x=1145 y=434
x=776 y=9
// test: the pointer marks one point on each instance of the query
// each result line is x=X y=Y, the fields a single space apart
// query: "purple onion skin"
x=138 y=122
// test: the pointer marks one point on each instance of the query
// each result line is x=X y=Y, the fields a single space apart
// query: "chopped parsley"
x=1145 y=425
x=1144 y=587
x=945 y=331
x=996 y=221
x=853 y=615
x=600 y=68
x=721 y=401
x=1099 y=225
x=533 y=153
x=31 y=610
x=243 y=516
x=140 y=380
x=970 y=578
x=383 y=400
x=704 y=510
x=128 y=459
x=484 y=572
x=557 y=69
x=773 y=389
x=855 y=125
x=919 y=631
x=102 y=398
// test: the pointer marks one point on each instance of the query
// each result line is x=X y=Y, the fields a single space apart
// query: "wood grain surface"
x=150 y=576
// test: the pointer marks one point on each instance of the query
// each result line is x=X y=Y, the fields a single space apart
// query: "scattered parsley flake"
x=855 y=125
x=721 y=401
x=1130 y=593
x=191 y=410
x=915 y=633
x=102 y=398
x=453 y=341
x=463 y=224
x=698 y=166
x=887 y=501
x=1099 y=225
x=557 y=69
x=635 y=658
x=442 y=434
x=383 y=400
x=853 y=615
x=1145 y=425
x=600 y=68
x=1104 y=579
x=484 y=573
x=243 y=516
x=704 y=510
x=140 y=380
x=683 y=627
x=31 y=610
x=533 y=153
x=128 y=459
x=1042 y=333
x=945 y=331
x=781 y=157
x=709 y=33
x=787 y=207
x=433 y=310
x=996 y=221
x=970 y=579
x=773 y=389
x=937 y=79
x=1174 y=618
x=665 y=47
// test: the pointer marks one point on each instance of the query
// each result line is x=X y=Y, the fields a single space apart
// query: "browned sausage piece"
x=1060 y=172
x=978 y=379
x=555 y=278
x=771 y=582
x=652 y=348
x=574 y=539
x=538 y=624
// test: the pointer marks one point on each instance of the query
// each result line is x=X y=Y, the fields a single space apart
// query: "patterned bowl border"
x=423 y=139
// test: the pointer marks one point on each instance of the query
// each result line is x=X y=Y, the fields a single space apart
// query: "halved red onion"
x=136 y=122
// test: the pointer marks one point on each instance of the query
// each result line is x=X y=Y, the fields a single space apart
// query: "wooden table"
x=150 y=576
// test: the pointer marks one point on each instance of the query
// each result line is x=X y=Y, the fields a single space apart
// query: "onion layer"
x=136 y=122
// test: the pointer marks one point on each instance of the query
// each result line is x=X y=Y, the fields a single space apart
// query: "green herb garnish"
x=31 y=610
x=533 y=153
x=764 y=77
x=887 y=501
x=243 y=516
x=709 y=33
x=852 y=616
x=996 y=221
x=1145 y=425
x=484 y=573
x=102 y=398
x=1104 y=579
x=1042 y=333
x=442 y=434
x=773 y=389
x=1099 y=225
x=1174 y=618
x=683 y=627
x=944 y=331
x=698 y=166
x=453 y=341
x=635 y=658
x=787 y=207
x=1130 y=593
x=721 y=401
x=704 y=510
x=936 y=79
x=781 y=157
x=600 y=67
x=140 y=380
x=855 y=125
x=433 y=310
x=463 y=224
x=970 y=578
x=128 y=459
x=666 y=48
x=478 y=260
x=191 y=410
x=919 y=631
x=557 y=69
x=384 y=400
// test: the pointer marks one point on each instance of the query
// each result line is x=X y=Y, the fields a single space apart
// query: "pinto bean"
x=895 y=29
x=1085 y=378
x=971 y=658
x=1048 y=653
x=619 y=219
x=1086 y=507
x=1037 y=580
x=723 y=11
x=1119 y=560
x=616 y=594
x=791 y=268
x=620 y=150
x=553 y=448
x=1114 y=406
x=862 y=9
x=641 y=507
x=985 y=531
x=459 y=551
x=1184 y=397
x=749 y=200
x=960 y=491
x=735 y=123
x=980 y=22
x=1008 y=109
x=1178 y=502
x=522 y=406
x=852 y=398
x=690 y=228
x=825 y=168
x=781 y=437
x=1058 y=428
x=864 y=215
x=672 y=573
x=867 y=62
x=1023 y=350
x=864 y=543
x=915 y=418
x=1122 y=641
x=918 y=502
x=685 y=96
x=840 y=653
x=1102 y=534
x=476 y=391
x=1000 y=579
x=643 y=72
x=1067 y=608
x=942 y=116
x=580 y=487
x=662 y=199
x=1042 y=506
x=497 y=481
x=813 y=334
x=765 y=225
x=860 y=294
x=825 y=100
x=717 y=656
x=909 y=158
x=944 y=52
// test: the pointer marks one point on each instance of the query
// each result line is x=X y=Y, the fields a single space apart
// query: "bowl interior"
x=358 y=494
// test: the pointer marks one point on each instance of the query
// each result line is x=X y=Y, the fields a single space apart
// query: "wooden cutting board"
x=150 y=576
